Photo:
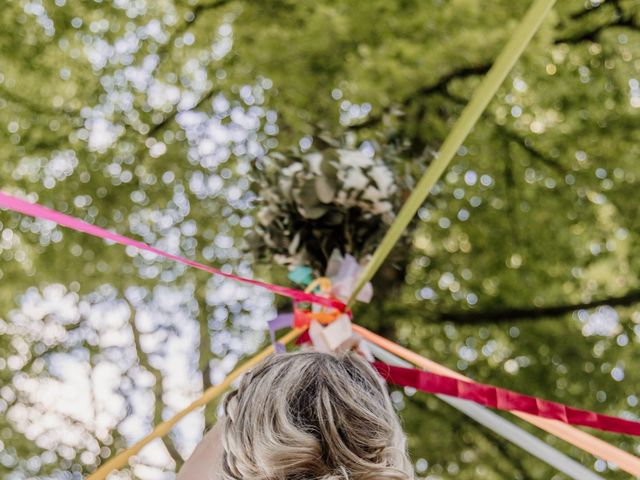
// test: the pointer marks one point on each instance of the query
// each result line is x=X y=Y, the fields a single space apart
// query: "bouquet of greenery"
x=314 y=202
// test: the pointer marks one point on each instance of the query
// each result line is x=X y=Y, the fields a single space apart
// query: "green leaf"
x=326 y=188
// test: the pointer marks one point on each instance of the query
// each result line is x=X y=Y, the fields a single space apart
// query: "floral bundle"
x=312 y=203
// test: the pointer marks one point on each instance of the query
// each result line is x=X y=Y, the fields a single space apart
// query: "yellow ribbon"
x=470 y=115
x=121 y=459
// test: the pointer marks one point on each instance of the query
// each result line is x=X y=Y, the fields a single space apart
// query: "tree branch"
x=587 y=11
x=69 y=419
x=204 y=351
x=443 y=82
x=511 y=193
x=525 y=144
x=534 y=313
x=55 y=348
x=170 y=118
x=592 y=35
x=439 y=86
x=187 y=24
x=621 y=19
x=165 y=49
x=158 y=388
x=34 y=107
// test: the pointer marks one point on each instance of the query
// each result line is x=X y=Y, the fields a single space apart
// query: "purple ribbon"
x=283 y=320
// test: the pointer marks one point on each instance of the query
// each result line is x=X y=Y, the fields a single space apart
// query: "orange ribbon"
x=302 y=317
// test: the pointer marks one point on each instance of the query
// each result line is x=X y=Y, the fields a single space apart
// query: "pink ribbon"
x=503 y=399
x=10 y=202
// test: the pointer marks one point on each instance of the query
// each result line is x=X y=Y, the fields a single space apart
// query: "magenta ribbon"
x=503 y=399
x=35 y=210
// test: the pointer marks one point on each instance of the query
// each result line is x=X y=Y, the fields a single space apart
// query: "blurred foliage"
x=150 y=117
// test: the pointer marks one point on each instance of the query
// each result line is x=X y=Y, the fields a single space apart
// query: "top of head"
x=312 y=416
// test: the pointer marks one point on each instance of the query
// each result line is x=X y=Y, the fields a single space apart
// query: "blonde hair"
x=313 y=416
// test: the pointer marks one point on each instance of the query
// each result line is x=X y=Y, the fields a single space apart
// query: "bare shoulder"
x=206 y=460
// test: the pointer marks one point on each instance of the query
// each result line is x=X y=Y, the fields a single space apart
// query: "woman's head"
x=308 y=416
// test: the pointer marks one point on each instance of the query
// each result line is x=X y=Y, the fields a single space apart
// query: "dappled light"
x=258 y=138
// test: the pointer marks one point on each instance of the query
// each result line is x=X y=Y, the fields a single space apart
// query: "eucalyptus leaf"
x=334 y=217
x=326 y=188
x=314 y=212
x=306 y=196
x=295 y=243
x=329 y=167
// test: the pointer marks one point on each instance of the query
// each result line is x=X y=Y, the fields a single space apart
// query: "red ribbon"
x=38 y=211
x=503 y=399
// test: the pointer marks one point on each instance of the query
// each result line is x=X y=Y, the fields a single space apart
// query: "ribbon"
x=299 y=318
x=161 y=429
x=35 y=210
x=344 y=273
x=302 y=317
x=283 y=320
x=503 y=399
x=574 y=436
x=458 y=133
x=302 y=275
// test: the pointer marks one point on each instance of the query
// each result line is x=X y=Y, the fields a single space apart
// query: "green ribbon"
x=470 y=115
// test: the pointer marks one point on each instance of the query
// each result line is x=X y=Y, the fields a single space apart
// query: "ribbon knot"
x=305 y=313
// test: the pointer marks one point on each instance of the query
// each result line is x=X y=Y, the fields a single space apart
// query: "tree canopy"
x=155 y=120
